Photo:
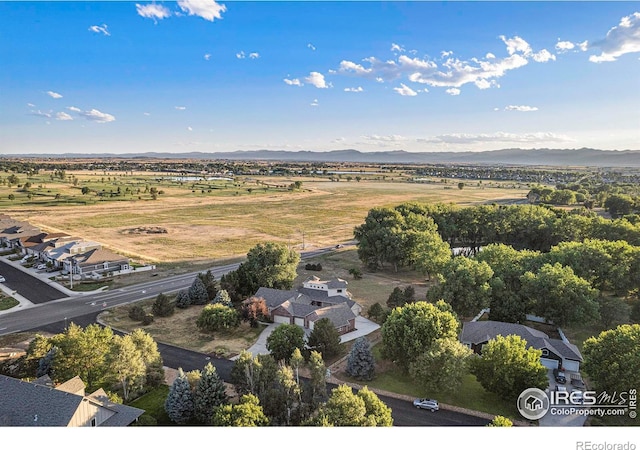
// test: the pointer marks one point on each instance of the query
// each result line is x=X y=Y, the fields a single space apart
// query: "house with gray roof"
x=314 y=300
x=38 y=404
x=556 y=353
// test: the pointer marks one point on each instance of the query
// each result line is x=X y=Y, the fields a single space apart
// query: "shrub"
x=137 y=313
x=162 y=307
x=147 y=319
x=218 y=317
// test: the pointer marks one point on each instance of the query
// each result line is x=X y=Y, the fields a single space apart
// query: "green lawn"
x=8 y=303
x=153 y=403
x=470 y=394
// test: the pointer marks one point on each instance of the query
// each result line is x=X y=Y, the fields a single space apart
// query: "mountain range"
x=587 y=157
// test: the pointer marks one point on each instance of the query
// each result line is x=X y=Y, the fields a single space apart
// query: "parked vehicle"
x=559 y=376
x=561 y=388
x=2 y=280
x=41 y=266
x=426 y=403
x=578 y=384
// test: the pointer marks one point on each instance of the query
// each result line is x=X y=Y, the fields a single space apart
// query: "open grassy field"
x=206 y=220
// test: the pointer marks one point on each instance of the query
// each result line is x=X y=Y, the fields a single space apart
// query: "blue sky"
x=196 y=75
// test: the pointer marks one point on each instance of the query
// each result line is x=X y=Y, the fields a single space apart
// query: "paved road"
x=29 y=286
x=70 y=307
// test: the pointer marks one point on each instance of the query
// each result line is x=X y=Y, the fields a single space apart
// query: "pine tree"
x=209 y=393
x=162 y=307
x=210 y=284
x=198 y=292
x=179 y=403
x=183 y=300
x=222 y=297
x=360 y=364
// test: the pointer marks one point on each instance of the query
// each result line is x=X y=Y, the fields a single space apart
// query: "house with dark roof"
x=314 y=300
x=38 y=404
x=556 y=353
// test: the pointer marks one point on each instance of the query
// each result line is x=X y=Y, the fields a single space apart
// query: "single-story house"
x=556 y=353
x=39 y=404
x=11 y=231
x=97 y=260
x=62 y=248
x=315 y=300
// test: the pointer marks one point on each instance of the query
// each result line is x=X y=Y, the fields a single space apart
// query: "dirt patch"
x=145 y=230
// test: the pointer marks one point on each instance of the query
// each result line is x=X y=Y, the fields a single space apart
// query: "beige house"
x=39 y=404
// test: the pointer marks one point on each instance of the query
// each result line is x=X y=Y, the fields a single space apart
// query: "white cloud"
x=499 y=137
x=543 y=56
x=180 y=108
x=74 y=109
x=350 y=66
x=564 y=46
x=293 y=82
x=63 y=116
x=100 y=29
x=53 y=94
x=254 y=55
x=356 y=89
x=31 y=105
x=520 y=108
x=583 y=45
x=311 y=46
x=207 y=9
x=39 y=113
x=189 y=129
x=397 y=48
x=314 y=102
x=207 y=56
x=387 y=138
x=516 y=45
x=451 y=72
x=240 y=55
x=146 y=113
x=620 y=40
x=405 y=91
x=94 y=115
x=153 y=11
x=317 y=79
x=453 y=91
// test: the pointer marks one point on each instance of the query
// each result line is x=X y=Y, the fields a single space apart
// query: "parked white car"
x=41 y=266
x=2 y=280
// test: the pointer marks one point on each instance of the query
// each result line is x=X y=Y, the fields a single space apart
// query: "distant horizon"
x=93 y=77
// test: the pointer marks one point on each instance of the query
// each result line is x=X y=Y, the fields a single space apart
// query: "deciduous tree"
x=507 y=367
x=442 y=366
x=612 y=359
x=284 y=340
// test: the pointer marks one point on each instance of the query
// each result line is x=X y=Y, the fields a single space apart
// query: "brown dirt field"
x=202 y=227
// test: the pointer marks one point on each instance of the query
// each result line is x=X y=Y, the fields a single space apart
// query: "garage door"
x=549 y=363
x=299 y=321
x=281 y=319
x=572 y=366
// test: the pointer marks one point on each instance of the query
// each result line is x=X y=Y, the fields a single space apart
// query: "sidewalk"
x=23 y=302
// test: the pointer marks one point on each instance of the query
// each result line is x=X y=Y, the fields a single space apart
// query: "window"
x=93 y=422
x=339 y=290
x=545 y=352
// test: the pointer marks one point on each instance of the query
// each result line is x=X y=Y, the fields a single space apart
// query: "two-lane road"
x=69 y=307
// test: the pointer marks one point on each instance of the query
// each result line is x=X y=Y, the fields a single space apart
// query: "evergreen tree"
x=325 y=338
x=210 y=392
x=360 y=364
x=183 y=300
x=222 y=297
x=210 y=284
x=179 y=403
x=198 y=292
x=162 y=307
x=318 y=381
